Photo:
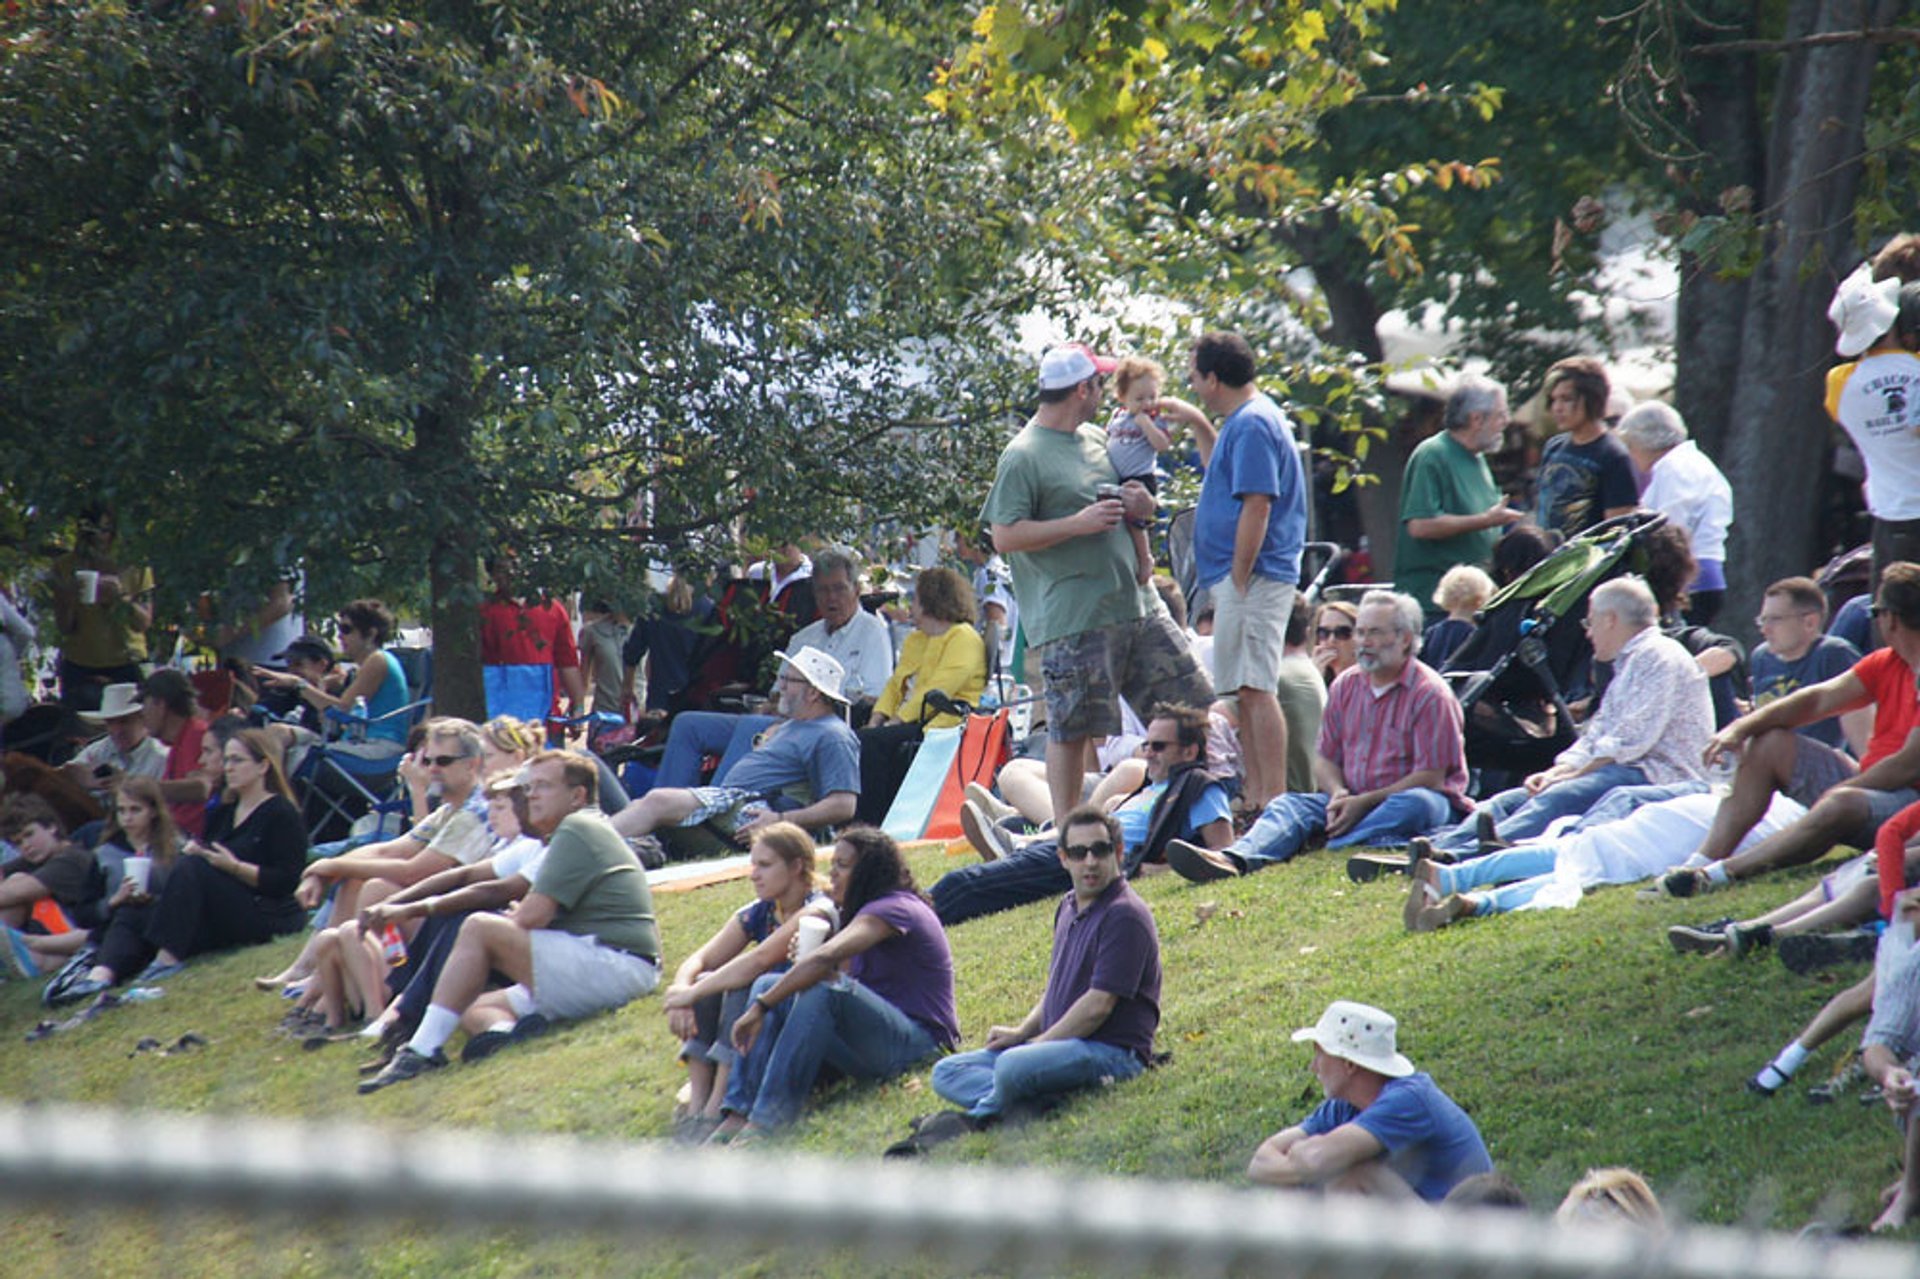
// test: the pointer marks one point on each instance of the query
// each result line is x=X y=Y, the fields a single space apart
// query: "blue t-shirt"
x=1255 y=456
x=1440 y=640
x=821 y=753
x=759 y=919
x=1774 y=678
x=1211 y=806
x=1854 y=624
x=1429 y=1140
x=391 y=696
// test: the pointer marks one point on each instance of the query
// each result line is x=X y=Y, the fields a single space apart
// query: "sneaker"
x=1202 y=865
x=532 y=1026
x=989 y=838
x=1804 y=953
x=1744 y=939
x=406 y=1064
x=157 y=971
x=1687 y=881
x=995 y=807
x=1687 y=940
x=21 y=961
x=1364 y=868
x=1848 y=1076
x=485 y=1044
x=73 y=972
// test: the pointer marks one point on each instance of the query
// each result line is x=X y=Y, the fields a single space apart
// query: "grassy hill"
x=1575 y=1039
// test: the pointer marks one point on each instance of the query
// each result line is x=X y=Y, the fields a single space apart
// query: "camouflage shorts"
x=1147 y=661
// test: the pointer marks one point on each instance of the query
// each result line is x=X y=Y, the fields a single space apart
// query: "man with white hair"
x=805 y=770
x=1685 y=486
x=1385 y=1128
x=1451 y=511
x=1652 y=728
x=1391 y=760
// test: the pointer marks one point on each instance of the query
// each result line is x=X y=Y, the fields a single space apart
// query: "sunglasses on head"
x=1080 y=852
x=1333 y=632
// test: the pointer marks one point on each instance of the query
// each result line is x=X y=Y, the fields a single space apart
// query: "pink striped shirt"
x=1414 y=723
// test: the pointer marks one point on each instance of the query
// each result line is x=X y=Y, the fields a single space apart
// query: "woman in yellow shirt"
x=943 y=652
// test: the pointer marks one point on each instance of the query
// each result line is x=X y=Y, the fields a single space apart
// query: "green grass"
x=1575 y=1039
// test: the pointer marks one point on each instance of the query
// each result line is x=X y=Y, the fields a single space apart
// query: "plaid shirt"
x=1413 y=724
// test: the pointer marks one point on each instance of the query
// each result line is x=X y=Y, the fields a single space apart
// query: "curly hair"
x=879 y=869
x=946 y=595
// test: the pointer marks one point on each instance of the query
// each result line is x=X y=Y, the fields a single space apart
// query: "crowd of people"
x=1206 y=734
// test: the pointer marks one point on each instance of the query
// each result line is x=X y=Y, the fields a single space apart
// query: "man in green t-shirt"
x=1097 y=633
x=1451 y=511
x=582 y=941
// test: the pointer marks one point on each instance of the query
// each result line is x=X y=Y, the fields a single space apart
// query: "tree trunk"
x=453 y=576
x=1725 y=123
x=1777 y=438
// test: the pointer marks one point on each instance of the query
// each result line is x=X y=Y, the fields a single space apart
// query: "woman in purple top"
x=874 y=1001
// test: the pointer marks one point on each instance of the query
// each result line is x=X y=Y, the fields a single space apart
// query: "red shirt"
x=1896 y=706
x=183 y=761
x=1414 y=723
x=516 y=634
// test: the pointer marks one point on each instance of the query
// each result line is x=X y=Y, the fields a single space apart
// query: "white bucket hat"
x=820 y=670
x=1863 y=309
x=116 y=701
x=1359 y=1033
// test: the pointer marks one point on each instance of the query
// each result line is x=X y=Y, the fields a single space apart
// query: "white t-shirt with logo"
x=1876 y=400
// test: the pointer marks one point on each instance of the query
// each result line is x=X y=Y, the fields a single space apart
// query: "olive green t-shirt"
x=599 y=884
x=1083 y=583
x=1443 y=478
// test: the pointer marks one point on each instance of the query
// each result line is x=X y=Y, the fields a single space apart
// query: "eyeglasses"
x=1080 y=852
x=443 y=761
x=1154 y=748
x=1333 y=632
x=1763 y=621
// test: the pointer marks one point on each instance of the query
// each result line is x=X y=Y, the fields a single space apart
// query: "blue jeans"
x=1503 y=867
x=1028 y=874
x=698 y=734
x=838 y=1023
x=1518 y=815
x=988 y=1081
x=1291 y=821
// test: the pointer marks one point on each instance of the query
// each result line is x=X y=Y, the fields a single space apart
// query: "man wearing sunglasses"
x=453 y=834
x=1096 y=1020
x=1180 y=798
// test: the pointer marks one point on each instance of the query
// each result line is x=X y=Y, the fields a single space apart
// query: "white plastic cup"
x=89 y=582
x=139 y=872
x=807 y=938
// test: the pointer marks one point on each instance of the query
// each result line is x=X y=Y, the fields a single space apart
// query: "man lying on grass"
x=582 y=941
x=1384 y=1128
x=1095 y=1022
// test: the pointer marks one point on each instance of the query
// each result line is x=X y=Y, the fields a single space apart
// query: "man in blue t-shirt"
x=1176 y=744
x=1384 y=1129
x=1795 y=654
x=804 y=770
x=1248 y=529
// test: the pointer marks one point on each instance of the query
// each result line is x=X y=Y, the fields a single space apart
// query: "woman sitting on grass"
x=710 y=990
x=236 y=889
x=888 y=1011
x=141 y=827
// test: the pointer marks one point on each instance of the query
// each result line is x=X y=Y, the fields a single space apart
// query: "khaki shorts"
x=1250 y=633
x=1147 y=661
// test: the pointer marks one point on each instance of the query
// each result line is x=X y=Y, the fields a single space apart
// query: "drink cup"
x=139 y=872
x=807 y=938
x=89 y=582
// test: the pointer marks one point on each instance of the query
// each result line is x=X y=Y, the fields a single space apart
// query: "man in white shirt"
x=127 y=750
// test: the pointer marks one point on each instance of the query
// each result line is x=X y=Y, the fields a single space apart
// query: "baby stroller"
x=1529 y=656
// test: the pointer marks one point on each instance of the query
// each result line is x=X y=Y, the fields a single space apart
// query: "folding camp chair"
x=341 y=784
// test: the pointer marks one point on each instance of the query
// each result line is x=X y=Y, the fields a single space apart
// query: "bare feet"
x=1897 y=1214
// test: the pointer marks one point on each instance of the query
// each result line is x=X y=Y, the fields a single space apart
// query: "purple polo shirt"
x=912 y=970
x=1111 y=946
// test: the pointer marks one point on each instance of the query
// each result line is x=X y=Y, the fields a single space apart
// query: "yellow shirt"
x=954 y=662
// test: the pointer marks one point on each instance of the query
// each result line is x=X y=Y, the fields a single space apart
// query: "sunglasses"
x=443 y=761
x=1154 y=748
x=1333 y=632
x=1080 y=852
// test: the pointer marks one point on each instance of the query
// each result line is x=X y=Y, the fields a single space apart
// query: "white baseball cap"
x=1863 y=308
x=1072 y=364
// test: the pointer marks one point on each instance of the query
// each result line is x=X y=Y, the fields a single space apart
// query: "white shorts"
x=1250 y=633
x=575 y=976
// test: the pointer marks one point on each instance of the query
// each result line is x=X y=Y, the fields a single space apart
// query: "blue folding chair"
x=341 y=785
x=522 y=691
